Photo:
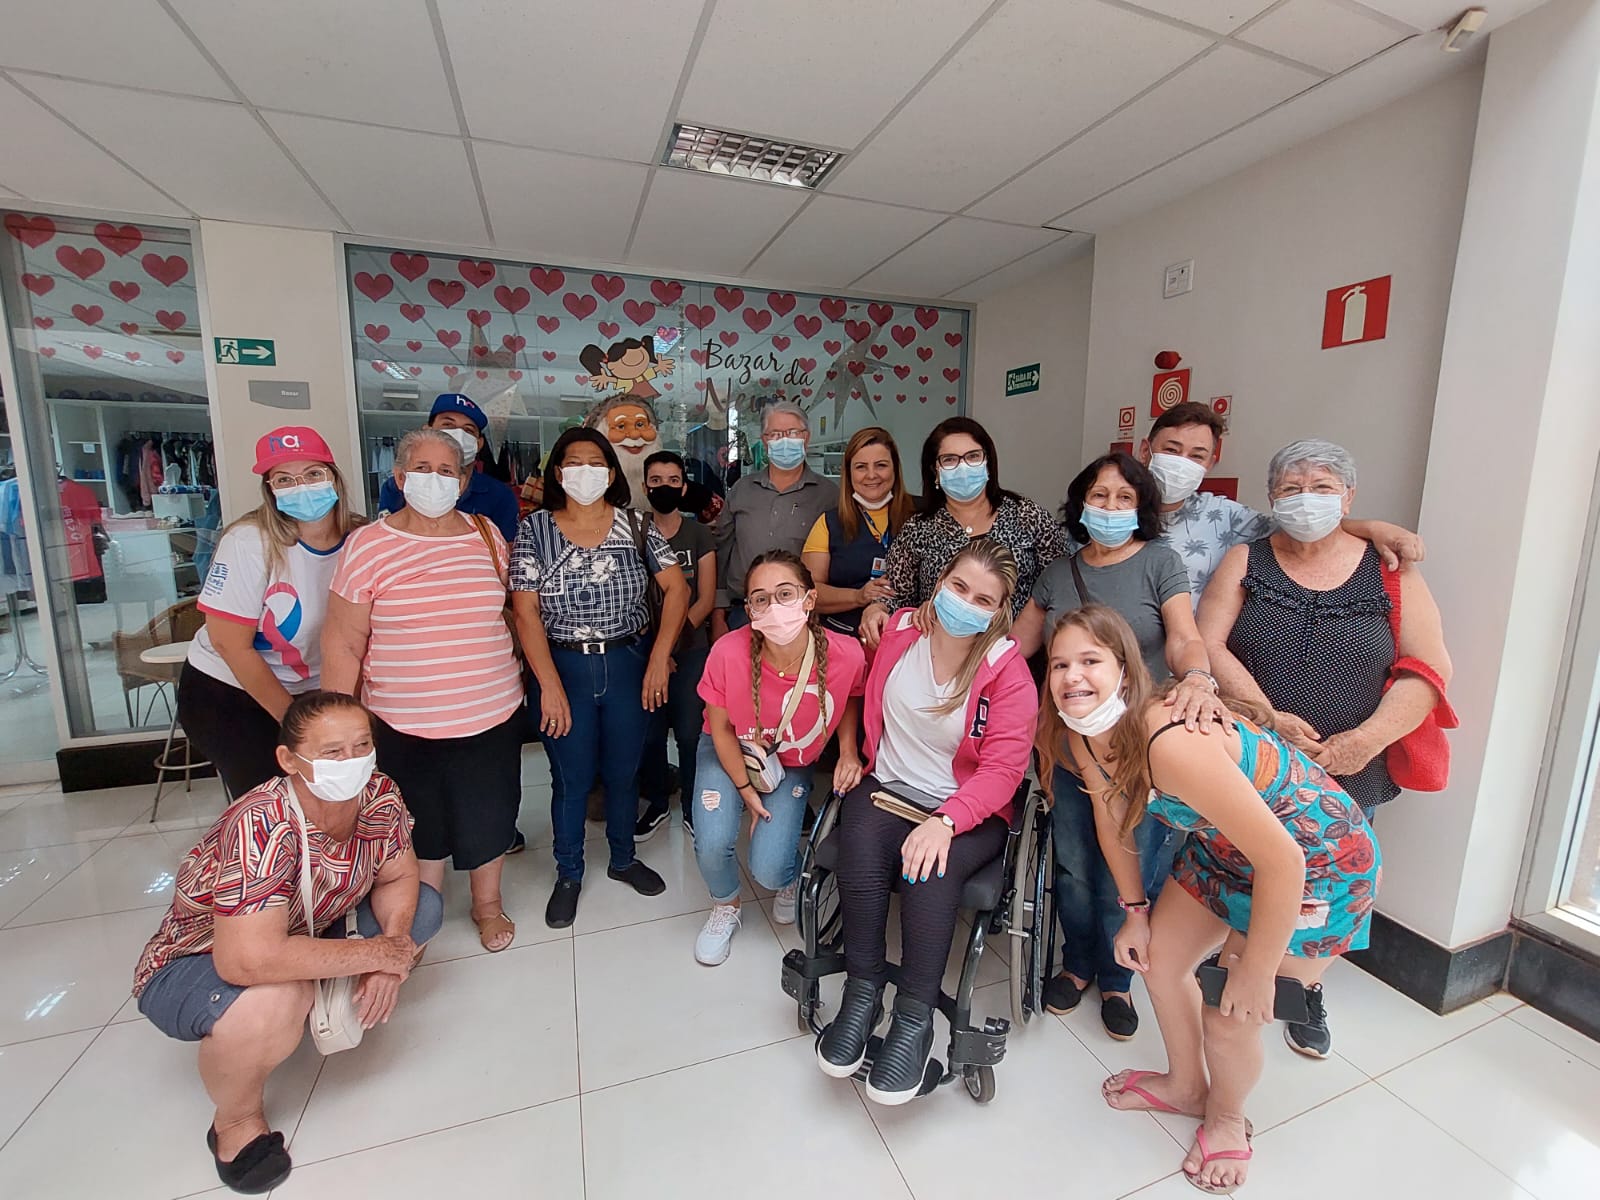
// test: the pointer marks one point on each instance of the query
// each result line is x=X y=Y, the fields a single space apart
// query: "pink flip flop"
x=1131 y=1085
x=1207 y=1156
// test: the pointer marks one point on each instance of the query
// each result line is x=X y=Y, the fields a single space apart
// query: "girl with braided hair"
x=777 y=687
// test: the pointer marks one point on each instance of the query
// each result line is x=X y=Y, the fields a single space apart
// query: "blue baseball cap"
x=455 y=402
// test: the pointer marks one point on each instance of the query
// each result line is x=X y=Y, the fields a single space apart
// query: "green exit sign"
x=1022 y=379
x=249 y=352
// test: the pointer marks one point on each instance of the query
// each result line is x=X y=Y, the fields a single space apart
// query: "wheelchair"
x=1011 y=896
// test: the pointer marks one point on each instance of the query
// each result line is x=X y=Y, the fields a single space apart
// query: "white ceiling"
x=533 y=127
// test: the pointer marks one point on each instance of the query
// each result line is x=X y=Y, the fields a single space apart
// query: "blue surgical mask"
x=786 y=453
x=1110 y=527
x=964 y=481
x=959 y=617
x=306 y=501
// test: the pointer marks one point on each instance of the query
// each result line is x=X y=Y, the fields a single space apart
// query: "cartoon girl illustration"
x=627 y=367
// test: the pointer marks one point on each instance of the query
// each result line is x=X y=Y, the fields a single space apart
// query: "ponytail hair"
x=819 y=636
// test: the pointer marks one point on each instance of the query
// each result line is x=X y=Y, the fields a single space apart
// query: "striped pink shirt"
x=439 y=662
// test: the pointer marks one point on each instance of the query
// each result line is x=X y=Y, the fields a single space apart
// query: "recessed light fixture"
x=747 y=156
x=1463 y=30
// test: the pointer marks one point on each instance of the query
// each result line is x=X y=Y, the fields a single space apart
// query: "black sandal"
x=1119 y=1017
x=261 y=1166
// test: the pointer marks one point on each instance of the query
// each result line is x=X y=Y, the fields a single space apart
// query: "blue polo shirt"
x=484 y=496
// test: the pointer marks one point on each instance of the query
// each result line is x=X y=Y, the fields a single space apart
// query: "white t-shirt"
x=286 y=607
x=919 y=746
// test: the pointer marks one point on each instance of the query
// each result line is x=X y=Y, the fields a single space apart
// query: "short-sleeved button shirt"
x=588 y=594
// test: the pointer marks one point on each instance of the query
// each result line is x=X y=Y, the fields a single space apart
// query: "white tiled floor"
x=602 y=1061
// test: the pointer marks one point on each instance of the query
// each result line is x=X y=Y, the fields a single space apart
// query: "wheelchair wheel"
x=979 y=1083
x=1032 y=913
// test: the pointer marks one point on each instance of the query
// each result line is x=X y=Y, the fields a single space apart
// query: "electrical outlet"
x=1179 y=279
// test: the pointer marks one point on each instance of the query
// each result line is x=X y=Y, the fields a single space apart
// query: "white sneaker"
x=783 y=904
x=716 y=938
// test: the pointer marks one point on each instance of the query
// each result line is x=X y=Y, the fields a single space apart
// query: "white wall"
x=1382 y=195
x=262 y=281
x=1044 y=320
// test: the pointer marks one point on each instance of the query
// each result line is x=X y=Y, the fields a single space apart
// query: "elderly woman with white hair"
x=770 y=509
x=1300 y=622
x=416 y=623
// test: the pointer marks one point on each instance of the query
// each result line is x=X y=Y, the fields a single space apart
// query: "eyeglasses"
x=973 y=458
x=423 y=469
x=1317 y=489
x=785 y=594
x=773 y=435
x=279 y=480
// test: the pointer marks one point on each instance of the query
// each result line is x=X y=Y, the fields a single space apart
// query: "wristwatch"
x=945 y=817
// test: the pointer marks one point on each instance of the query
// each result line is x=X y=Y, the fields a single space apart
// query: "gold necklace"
x=784 y=671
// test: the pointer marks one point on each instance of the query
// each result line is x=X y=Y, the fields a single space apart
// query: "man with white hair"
x=770 y=509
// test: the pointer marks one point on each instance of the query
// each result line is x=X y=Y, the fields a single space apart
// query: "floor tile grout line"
x=305 y=1105
x=34 y=1111
x=699 y=1063
x=1464 y=1145
x=577 y=1063
x=872 y=1119
x=1424 y=1053
x=1512 y=1017
x=110 y=912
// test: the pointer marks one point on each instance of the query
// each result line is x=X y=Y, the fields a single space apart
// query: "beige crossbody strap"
x=319 y=1000
x=801 y=682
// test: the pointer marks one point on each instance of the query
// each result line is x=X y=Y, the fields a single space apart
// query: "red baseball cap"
x=290 y=443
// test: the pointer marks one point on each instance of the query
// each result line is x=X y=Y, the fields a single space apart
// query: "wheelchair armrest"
x=823 y=826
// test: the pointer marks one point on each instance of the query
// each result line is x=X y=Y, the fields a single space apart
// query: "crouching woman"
x=234 y=962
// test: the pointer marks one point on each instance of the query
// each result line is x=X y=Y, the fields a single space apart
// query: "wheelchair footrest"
x=980 y=1047
x=798 y=970
x=932 y=1075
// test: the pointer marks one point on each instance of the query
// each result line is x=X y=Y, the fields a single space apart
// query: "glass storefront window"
x=108 y=504
x=539 y=346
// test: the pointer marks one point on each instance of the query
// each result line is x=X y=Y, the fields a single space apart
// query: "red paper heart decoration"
x=412 y=312
x=449 y=338
x=640 y=313
x=728 y=337
x=47 y=351
x=549 y=324
x=856 y=368
x=514 y=342
x=165 y=271
x=729 y=298
x=514 y=375
x=609 y=329
x=922 y=379
x=415 y=371
x=85 y=264
x=903 y=335
x=129 y=328
x=126 y=292
x=173 y=321
x=609 y=286
x=413 y=346
x=782 y=302
x=373 y=287
x=548 y=355
x=93 y=351
x=132 y=356
x=175 y=356
x=833 y=308
x=39 y=285
x=699 y=315
x=480 y=352
x=880 y=313
x=376 y=333
x=952 y=373
x=666 y=291
x=952 y=339
x=447 y=292
x=780 y=343
x=452 y=371
x=581 y=307
x=857 y=330
x=901 y=370
x=549 y=281
x=479 y=317
x=808 y=327
x=949 y=399
x=44 y=322
x=513 y=300
x=89 y=314
x=549 y=378
x=412 y=266
x=698 y=357
x=30 y=231
x=482 y=374
x=927 y=317
x=832 y=347
x=807 y=365
x=757 y=319
x=924 y=352
x=878 y=351
x=121 y=240
x=380 y=368
x=475 y=273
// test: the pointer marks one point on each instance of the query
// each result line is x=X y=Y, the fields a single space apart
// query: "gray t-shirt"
x=1136 y=587
x=690 y=544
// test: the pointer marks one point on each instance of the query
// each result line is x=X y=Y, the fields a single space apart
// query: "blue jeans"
x=718 y=812
x=1086 y=895
x=684 y=714
x=607 y=734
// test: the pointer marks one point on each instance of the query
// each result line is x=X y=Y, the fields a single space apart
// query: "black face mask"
x=664 y=499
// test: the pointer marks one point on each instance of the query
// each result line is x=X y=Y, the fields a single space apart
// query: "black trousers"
x=229 y=729
x=869 y=863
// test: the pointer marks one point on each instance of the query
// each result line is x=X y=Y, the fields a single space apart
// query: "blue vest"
x=850 y=565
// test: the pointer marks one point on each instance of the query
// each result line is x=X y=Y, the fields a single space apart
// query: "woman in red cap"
x=264 y=600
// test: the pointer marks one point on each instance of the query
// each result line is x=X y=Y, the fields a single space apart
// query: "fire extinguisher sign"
x=1356 y=312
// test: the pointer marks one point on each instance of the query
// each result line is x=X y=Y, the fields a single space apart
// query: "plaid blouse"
x=249 y=861
x=925 y=545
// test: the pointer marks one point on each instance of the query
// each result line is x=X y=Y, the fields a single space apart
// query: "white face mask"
x=585 y=484
x=468 y=443
x=869 y=505
x=338 y=780
x=431 y=494
x=1102 y=718
x=1308 y=517
x=1178 y=478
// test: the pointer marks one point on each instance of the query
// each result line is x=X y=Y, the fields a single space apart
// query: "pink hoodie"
x=1001 y=710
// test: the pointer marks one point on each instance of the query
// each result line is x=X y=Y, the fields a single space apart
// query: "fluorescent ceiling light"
x=697 y=148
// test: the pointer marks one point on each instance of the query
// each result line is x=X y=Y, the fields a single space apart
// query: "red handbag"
x=1419 y=761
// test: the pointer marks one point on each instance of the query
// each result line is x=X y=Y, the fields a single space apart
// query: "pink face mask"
x=782 y=623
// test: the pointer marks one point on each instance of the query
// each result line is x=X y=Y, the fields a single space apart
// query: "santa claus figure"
x=630 y=425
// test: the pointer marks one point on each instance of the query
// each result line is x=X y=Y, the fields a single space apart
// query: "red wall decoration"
x=1168 y=390
x=1356 y=312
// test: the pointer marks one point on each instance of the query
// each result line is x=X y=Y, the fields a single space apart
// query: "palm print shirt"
x=925 y=545
x=1205 y=528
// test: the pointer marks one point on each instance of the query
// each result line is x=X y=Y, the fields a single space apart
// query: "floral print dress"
x=1343 y=865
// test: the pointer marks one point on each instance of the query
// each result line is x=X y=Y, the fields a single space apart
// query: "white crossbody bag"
x=334 y=1023
x=761 y=761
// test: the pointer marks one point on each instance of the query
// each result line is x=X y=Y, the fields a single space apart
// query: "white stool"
x=169 y=654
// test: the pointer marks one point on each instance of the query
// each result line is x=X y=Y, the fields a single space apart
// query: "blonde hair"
x=991 y=556
x=279 y=532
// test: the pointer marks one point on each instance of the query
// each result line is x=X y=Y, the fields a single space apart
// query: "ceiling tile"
x=1397 y=72
x=834 y=238
x=954 y=254
x=1434 y=14
x=1052 y=256
x=386 y=182
x=1035 y=74
x=213 y=157
x=332 y=60
x=602 y=87
x=585 y=207
x=709 y=223
x=814 y=84
x=1321 y=33
x=1225 y=87
x=1223 y=16
x=58 y=165
x=131 y=42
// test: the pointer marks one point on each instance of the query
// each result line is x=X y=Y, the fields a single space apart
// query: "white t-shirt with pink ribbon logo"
x=286 y=606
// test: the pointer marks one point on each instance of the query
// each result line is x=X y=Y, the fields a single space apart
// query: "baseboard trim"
x=1556 y=979
x=1437 y=978
x=119 y=764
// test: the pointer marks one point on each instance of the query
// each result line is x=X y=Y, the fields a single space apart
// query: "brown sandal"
x=492 y=927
